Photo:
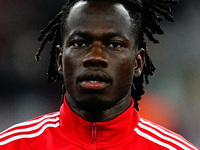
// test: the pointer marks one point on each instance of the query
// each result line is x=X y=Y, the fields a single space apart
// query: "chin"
x=95 y=104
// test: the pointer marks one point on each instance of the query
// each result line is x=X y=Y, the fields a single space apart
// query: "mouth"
x=94 y=80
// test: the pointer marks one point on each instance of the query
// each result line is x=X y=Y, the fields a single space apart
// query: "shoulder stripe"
x=162 y=136
x=33 y=121
x=167 y=133
x=29 y=135
x=30 y=128
x=153 y=139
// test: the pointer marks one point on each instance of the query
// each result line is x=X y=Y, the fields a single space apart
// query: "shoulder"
x=29 y=129
x=161 y=136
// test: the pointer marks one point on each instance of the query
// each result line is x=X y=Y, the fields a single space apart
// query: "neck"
x=101 y=115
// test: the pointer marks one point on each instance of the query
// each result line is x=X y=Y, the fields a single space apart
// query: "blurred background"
x=172 y=98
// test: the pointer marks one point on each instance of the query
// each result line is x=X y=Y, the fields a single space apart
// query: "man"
x=100 y=54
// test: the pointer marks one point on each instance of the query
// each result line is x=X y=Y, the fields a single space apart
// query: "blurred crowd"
x=172 y=98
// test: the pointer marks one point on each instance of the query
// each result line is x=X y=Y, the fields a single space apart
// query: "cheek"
x=70 y=68
x=123 y=77
x=69 y=64
x=126 y=63
x=71 y=59
x=125 y=70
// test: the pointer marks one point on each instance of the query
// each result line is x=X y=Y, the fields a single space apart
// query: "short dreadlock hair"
x=151 y=13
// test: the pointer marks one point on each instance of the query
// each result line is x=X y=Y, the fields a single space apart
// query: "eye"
x=115 y=44
x=79 y=44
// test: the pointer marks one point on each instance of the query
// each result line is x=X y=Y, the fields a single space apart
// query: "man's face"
x=98 y=55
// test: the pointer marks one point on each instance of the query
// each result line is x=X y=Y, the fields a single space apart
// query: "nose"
x=95 y=57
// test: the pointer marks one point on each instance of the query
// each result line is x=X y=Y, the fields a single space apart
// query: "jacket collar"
x=83 y=132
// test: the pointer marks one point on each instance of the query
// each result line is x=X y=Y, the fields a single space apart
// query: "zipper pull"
x=94 y=131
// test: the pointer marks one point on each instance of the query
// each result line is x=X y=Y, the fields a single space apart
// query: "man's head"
x=99 y=54
x=102 y=48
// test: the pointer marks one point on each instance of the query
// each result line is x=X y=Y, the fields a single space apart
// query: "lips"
x=94 y=80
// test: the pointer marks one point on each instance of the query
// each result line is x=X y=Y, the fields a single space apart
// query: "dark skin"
x=99 y=60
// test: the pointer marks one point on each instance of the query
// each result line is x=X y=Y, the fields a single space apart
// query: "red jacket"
x=64 y=130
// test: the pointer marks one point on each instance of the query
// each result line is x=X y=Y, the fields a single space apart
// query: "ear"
x=59 y=59
x=139 y=62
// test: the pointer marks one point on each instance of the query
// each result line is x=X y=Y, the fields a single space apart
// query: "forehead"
x=99 y=15
x=99 y=6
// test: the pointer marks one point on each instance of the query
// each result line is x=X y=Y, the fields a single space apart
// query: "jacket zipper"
x=94 y=135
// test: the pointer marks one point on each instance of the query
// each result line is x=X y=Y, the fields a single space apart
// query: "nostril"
x=95 y=62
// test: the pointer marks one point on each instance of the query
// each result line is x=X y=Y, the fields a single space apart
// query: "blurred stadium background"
x=172 y=98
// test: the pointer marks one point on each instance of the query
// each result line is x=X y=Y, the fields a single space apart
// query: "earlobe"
x=59 y=59
x=139 y=62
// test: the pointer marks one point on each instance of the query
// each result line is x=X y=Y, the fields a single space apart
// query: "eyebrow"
x=81 y=34
x=105 y=36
